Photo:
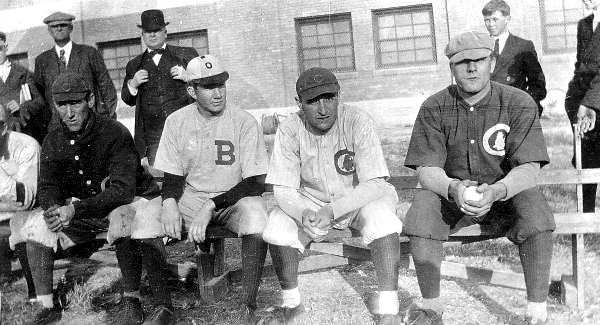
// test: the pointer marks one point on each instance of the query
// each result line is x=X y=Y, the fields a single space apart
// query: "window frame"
x=314 y=20
x=426 y=8
x=545 y=46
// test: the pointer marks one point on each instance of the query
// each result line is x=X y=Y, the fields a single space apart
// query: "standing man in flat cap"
x=328 y=171
x=20 y=96
x=517 y=64
x=155 y=83
x=482 y=137
x=65 y=56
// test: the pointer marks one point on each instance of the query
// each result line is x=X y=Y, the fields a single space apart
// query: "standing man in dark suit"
x=517 y=64
x=81 y=59
x=155 y=83
x=583 y=96
x=27 y=114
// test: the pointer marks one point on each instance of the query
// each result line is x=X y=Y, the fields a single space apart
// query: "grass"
x=339 y=295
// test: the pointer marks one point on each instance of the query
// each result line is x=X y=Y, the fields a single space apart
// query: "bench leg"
x=572 y=286
x=212 y=286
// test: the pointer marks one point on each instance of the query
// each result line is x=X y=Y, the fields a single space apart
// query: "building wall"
x=256 y=40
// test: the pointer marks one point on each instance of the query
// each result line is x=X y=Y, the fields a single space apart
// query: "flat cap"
x=58 y=18
x=206 y=70
x=69 y=86
x=470 y=45
x=316 y=81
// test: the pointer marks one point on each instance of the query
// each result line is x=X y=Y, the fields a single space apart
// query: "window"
x=559 y=24
x=325 y=42
x=404 y=36
x=20 y=59
x=116 y=54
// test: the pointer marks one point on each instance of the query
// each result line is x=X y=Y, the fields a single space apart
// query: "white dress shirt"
x=68 y=47
x=156 y=59
x=501 y=41
x=5 y=70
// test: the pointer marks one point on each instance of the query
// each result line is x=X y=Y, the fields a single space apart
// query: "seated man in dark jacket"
x=88 y=167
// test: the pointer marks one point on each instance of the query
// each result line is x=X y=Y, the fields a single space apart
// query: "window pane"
x=554 y=5
x=557 y=42
x=404 y=31
x=424 y=55
x=390 y=58
x=406 y=56
x=406 y=44
x=389 y=46
x=422 y=30
x=109 y=53
x=421 y=43
x=403 y=20
x=421 y=18
x=386 y=21
x=122 y=51
x=326 y=42
x=110 y=64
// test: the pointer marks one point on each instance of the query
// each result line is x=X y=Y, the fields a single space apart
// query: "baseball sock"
x=21 y=251
x=385 y=252
x=129 y=257
x=427 y=256
x=254 y=251
x=285 y=261
x=536 y=255
x=41 y=260
x=154 y=260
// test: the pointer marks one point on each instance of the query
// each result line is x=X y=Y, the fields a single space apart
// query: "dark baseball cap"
x=470 y=45
x=69 y=86
x=316 y=81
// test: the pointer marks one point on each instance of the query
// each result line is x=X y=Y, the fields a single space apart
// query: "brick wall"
x=256 y=40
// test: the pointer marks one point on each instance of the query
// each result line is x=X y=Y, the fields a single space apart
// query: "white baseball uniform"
x=324 y=168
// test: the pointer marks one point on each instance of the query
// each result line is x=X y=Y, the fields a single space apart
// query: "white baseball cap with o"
x=206 y=70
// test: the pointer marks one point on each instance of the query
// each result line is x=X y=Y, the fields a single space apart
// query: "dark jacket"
x=35 y=125
x=158 y=97
x=75 y=165
x=584 y=88
x=86 y=61
x=518 y=66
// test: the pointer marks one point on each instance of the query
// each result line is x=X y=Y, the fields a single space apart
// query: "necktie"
x=156 y=51
x=63 y=60
x=497 y=48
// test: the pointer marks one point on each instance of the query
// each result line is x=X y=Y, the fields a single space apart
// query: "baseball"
x=471 y=194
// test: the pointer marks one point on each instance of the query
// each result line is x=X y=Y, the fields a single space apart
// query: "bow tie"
x=156 y=51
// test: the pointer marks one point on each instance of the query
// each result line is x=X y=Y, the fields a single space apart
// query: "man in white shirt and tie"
x=517 y=64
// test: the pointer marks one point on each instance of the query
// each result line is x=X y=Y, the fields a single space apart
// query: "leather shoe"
x=46 y=315
x=249 y=315
x=285 y=316
x=419 y=316
x=162 y=315
x=388 y=319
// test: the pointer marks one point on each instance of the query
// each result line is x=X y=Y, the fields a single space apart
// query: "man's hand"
x=52 y=218
x=586 y=119
x=170 y=218
x=13 y=106
x=309 y=220
x=178 y=72
x=490 y=194
x=140 y=77
x=197 y=231
x=323 y=217
x=456 y=191
x=66 y=214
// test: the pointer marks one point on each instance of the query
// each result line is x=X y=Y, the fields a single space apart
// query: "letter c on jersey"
x=225 y=149
x=344 y=162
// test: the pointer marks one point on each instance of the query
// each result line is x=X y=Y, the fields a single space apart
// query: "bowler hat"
x=470 y=45
x=69 y=86
x=316 y=81
x=152 y=20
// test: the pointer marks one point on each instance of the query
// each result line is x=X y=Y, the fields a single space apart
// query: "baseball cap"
x=69 y=86
x=470 y=45
x=58 y=18
x=206 y=70
x=316 y=81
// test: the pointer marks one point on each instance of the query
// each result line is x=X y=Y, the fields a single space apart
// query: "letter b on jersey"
x=225 y=152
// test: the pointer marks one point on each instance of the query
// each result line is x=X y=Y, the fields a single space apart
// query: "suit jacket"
x=584 y=88
x=519 y=67
x=180 y=54
x=32 y=114
x=86 y=61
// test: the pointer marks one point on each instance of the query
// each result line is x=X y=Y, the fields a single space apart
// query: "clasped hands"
x=170 y=219
x=316 y=224
x=59 y=217
x=489 y=195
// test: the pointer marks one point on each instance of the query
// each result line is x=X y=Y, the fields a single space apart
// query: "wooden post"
x=577 y=240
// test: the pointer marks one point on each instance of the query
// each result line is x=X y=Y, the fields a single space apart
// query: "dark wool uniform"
x=157 y=98
x=76 y=165
x=584 y=89
x=482 y=142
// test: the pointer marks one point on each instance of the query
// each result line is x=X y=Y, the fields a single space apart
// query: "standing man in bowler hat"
x=155 y=83
x=65 y=56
